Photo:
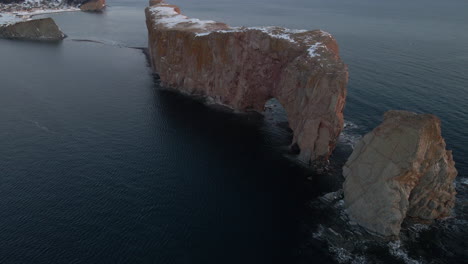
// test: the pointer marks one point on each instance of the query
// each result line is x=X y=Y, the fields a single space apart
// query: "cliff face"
x=38 y=29
x=400 y=169
x=244 y=67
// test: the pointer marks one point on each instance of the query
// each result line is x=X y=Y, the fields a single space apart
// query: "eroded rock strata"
x=43 y=29
x=244 y=67
x=400 y=169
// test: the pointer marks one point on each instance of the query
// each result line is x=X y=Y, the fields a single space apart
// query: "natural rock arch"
x=244 y=67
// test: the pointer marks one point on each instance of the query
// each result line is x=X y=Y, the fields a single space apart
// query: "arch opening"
x=276 y=126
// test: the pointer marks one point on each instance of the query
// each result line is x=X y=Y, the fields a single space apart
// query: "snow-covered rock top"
x=169 y=17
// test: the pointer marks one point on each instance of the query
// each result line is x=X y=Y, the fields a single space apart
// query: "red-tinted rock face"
x=93 y=5
x=244 y=67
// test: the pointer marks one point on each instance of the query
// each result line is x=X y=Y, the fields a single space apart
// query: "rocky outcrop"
x=400 y=169
x=93 y=6
x=244 y=67
x=38 y=29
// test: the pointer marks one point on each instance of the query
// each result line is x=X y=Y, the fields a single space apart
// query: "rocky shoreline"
x=36 y=6
x=27 y=9
x=16 y=20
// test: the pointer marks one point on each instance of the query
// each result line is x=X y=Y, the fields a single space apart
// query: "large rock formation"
x=400 y=169
x=244 y=67
x=93 y=6
x=43 y=29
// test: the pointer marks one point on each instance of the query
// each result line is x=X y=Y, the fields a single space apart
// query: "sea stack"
x=93 y=6
x=43 y=29
x=243 y=67
x=400 y=169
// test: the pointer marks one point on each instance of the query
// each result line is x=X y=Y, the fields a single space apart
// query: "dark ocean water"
x=100 y=165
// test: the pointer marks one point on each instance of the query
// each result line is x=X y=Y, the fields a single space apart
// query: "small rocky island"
x=244 y=67
x=43 y=29
x=93 y=5
x=400 y=170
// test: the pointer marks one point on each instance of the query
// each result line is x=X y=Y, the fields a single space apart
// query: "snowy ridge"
x=275 y=32
x=167 y=16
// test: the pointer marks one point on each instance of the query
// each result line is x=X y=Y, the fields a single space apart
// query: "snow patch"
x=168 y=17
x=325 y=34
x=218 y=31
x=279 y=33
x=45 y=11
x=313 y=50
x=7 y=18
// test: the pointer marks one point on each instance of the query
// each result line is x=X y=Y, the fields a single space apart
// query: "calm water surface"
x=100 y=165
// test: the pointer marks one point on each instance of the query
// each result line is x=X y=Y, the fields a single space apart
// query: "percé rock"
x=400 y=169
x=243 y=67
x=43 y=29
x=93 y=6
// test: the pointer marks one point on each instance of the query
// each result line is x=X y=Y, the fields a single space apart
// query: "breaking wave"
x=350 y=135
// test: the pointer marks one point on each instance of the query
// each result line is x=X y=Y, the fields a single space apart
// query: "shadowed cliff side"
x=244 y=67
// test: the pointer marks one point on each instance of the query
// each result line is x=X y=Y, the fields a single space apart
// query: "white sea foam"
x=397 y=251
x=341 y=254
x=349 y=135
x=319 y=233
x=463 y=181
